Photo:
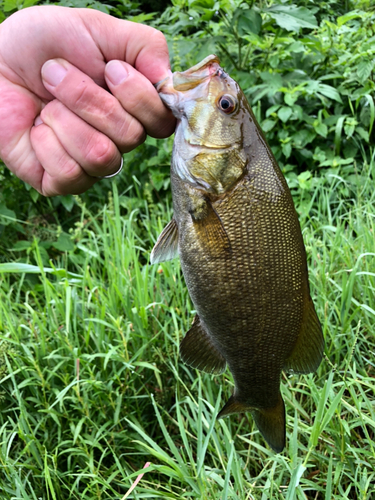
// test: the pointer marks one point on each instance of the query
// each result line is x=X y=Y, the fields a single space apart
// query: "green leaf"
x=364 y=70
x=249 y=21
x=9 y=5
x=321 y=129
x=290 y=98
x=29 y=3
x=67 y=202
x=268 y=125
x=155 y=160
x=286 y=149
x=292 y=18
x=6 y=216
x=34 y=195
x=370 y=101
x=204 y=4
x=296 y=47
x=294 y=481
x=347 y=17
x=338 y=133
x=20 y=267
x=64 y=243
x=274 y=61
x=284 y=113
x=303 y=137
x=363 y=133
x=22 y=245
x=329 y=92
x=349 y=130
x=272 y=110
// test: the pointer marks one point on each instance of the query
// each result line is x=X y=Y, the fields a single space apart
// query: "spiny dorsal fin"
x=308 y=351
x=211 y=233
x=198 y=351
x=166 y=248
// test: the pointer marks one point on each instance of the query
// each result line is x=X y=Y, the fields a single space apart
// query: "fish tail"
x=271 y=424
x=232 y=406
x=270 y=421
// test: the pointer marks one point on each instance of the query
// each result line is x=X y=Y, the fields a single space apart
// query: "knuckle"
x=71 y=172
x=83 y=97
x=101 y=151
x=132 y=135
x=159 y=41
x=52 y=111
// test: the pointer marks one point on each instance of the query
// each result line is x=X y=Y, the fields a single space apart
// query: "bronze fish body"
x=237 y=234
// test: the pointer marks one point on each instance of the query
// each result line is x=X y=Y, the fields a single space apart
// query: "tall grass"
x=92 y=388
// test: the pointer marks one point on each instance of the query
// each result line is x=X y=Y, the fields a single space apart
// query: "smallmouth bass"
x=237 y=234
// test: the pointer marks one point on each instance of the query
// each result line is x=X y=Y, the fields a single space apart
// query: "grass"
x=92 y=388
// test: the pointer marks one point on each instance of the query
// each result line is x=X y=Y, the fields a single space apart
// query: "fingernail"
x=53 y=73
x=116 y=72
x=38 y=121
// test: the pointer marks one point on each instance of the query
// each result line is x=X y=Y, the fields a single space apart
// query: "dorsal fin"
x=308 y=351
x=197 y=350
x=166 y=247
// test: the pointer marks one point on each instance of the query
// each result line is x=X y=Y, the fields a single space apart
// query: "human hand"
x=59 y=126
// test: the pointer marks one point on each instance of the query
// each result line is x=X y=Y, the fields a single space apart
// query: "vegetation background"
x=92 y=388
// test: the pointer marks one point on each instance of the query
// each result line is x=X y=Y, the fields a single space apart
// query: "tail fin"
x=270 y=421
x=232 y=406
x=271 y=424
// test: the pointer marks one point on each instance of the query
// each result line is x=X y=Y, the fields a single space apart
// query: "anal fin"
x=166 y=247
x=197 y=350
x=308 y=351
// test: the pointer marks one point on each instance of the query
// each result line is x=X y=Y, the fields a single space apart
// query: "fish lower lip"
x=204 y=146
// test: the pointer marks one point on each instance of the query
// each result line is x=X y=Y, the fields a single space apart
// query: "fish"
x=237 y=234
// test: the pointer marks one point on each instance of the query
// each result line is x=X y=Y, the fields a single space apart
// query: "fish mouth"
x=181 y=81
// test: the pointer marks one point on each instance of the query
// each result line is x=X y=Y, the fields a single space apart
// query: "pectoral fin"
x=198 y=351
x=308 y=351
x=211 y=233
x=166 y=248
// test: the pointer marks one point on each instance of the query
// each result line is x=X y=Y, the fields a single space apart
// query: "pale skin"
x=76 y=92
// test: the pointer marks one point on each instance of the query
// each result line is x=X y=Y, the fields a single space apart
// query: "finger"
x=62 y=174
x=86 y=37
x=91 y=149
x=143 y=47
x=18 y=109
x=139 y=98
x=94 y=105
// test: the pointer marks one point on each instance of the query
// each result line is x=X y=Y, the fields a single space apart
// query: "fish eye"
x=227 y=104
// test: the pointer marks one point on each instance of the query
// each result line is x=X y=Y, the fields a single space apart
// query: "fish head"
x=211 y=109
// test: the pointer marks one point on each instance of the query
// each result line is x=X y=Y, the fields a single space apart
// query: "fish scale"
x=237 y=234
